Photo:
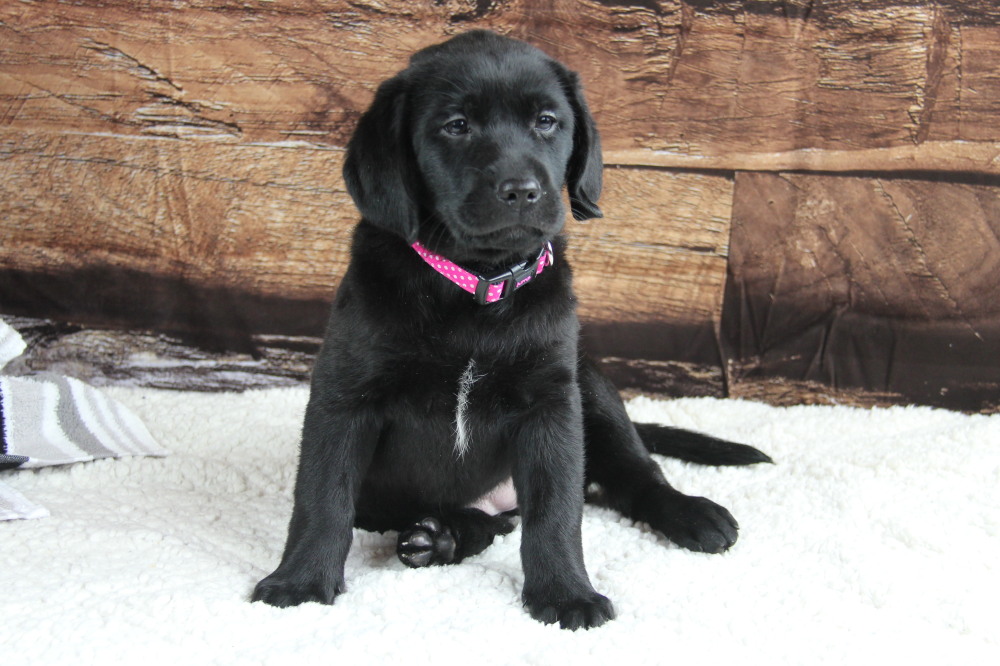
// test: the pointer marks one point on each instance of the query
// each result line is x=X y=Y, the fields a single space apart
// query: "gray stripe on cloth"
x=110 y=415
x=110 y=426
x=72 y=422
x=32 y=427
x=136 y=430
x=11 y=462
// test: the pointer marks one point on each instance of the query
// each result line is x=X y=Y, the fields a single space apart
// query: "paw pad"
x=426 y=543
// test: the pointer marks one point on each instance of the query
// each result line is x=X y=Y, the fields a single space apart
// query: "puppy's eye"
x=456 y=127
x=545 y=122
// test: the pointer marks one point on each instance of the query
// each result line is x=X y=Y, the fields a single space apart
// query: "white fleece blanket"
x=874 y=539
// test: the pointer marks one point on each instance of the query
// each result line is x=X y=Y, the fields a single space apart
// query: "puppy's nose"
x=519 y=191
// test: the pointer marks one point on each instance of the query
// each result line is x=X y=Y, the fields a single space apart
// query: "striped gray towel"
x=48 y=419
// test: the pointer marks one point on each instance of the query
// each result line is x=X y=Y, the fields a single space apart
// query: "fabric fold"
x=48 y=419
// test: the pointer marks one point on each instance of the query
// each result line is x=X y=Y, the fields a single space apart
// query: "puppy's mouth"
x=500 y=244
x=486 y=237
x=508 y=238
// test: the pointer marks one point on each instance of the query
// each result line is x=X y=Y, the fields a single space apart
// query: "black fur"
x=467 y=151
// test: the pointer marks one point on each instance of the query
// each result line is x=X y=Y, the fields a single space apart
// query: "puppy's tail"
x=697 y=448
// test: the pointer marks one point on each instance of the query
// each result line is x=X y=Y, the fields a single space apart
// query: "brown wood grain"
x=920 y=250
x=262 y=219
x=823 y=85
x=887 y=285
x=660 y=252
x=217 y=217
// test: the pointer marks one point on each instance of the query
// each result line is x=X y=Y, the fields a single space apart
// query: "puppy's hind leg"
x=450 y=538
x=619 y=462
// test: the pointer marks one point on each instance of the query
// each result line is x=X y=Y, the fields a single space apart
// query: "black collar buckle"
x=511 y=278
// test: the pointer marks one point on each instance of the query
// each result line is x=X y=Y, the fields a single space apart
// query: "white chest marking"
x=465 y=383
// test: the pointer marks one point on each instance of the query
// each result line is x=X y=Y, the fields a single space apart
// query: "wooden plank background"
x=824 y=85
x=175 y=167
x=882 y=283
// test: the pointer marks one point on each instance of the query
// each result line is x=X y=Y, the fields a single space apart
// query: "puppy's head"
x=467 y=150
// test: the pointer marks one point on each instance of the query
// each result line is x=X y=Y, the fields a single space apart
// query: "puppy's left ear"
x=583 y=174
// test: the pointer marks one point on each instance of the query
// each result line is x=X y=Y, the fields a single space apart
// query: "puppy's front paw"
x=276 y=590
x=584 y=612
x=426 y=543
x=696 y=523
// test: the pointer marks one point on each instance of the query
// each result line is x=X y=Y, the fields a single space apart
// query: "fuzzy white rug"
x=874 y=539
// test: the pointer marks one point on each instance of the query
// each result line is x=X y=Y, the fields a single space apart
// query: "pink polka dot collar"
x=492 y=289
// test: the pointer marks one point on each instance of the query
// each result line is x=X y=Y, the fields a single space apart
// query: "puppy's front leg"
x=548 y=476
x=337 y=446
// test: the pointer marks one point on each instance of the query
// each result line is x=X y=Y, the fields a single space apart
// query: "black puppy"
x=450 y=365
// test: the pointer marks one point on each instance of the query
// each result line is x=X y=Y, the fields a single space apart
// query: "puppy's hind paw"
x=425 y=544
x=696 y=523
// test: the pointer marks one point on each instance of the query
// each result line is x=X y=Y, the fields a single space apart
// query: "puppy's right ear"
x=380 y=164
